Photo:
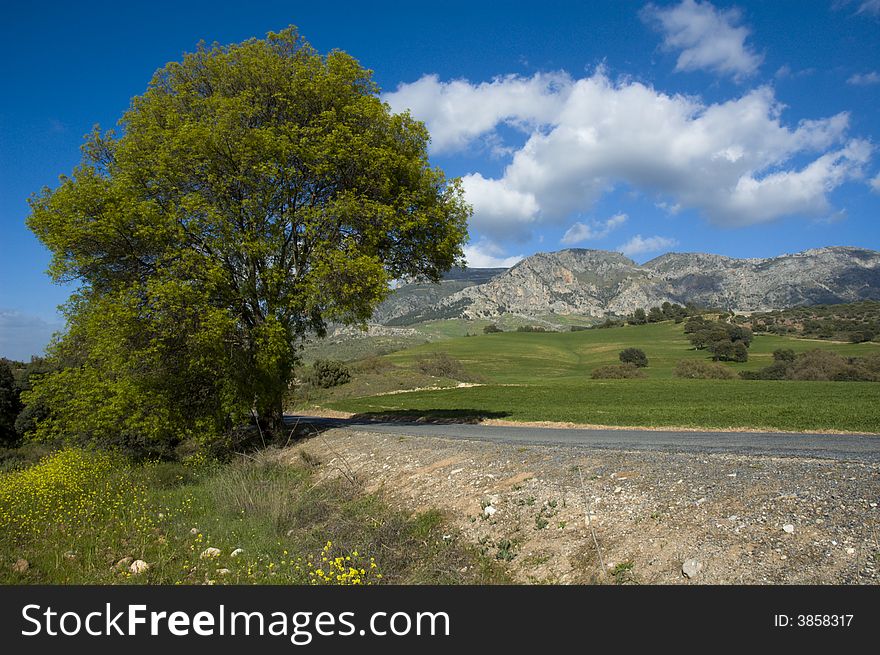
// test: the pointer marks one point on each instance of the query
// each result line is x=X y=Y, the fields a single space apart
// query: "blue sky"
x=747 y=129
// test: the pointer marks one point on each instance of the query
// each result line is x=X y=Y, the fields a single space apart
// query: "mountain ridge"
x=595 y=283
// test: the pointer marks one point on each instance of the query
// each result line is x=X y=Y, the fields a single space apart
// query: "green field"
x=546 y=377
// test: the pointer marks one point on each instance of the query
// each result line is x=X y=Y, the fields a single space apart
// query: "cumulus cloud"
x=736 y=162
x=580 y=232
x=500 y=207
x=461 y=111
x=486 y=254
x=23 y=335
x=864 y=79
x=707 y=38
x=875 y=183
x=639 y=245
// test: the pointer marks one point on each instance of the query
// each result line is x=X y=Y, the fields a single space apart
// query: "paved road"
x=829 y=446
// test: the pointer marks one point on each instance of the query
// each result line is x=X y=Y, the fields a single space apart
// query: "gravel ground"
x=569 y=515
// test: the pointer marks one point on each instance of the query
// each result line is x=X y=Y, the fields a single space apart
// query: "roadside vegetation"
x=88 y=517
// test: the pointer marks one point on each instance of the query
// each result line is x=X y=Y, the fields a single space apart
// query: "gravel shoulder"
x=723 y=518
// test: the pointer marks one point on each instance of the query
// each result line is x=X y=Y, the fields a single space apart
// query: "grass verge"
x=80 y=517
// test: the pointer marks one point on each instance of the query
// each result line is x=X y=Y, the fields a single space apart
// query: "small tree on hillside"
x=634 y=356
x=638 y=317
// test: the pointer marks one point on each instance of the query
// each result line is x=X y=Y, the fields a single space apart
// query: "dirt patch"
x=746 y=519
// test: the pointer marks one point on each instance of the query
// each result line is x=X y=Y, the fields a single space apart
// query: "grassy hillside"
x=518 y=357
x=546 y=376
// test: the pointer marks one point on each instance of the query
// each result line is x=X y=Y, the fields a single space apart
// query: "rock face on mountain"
x=412 y=303
x=596 y=283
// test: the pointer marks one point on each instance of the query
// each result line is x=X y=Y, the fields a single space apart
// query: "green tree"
x=634 y=356
x=255 y=192
x=638 y=317
x=783 y=355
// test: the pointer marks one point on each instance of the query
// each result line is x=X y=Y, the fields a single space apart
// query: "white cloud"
x=499 y=207
x=24 y=335
x=639 y=245
x=580 y=232
x=875 y=183
x=461 y=111
x=486 y=254
x=708 y=38
x=736 y=162
x=864 y=79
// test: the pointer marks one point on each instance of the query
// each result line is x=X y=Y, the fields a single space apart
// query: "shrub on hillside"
x=783 y=355
x=820 y=365
x=617 y=372
x=827 y=365
x=441 y=365
x=374 y=365
x=634 y=356
x=698 y=369
x=328 y=373
x=492 y=329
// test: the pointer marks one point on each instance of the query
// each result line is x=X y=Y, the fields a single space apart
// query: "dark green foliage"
x=327 y=373
x=617 y=372
x=727 y=341
x=638 y=317
x=532 y=328
x=10 y=405
x=666 y=312
x=783 y=355
x=492 y=329
x=634 y=356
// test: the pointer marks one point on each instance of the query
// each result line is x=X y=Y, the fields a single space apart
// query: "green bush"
x=729 y=351
x=328 y=373
x=492 y=329
x=617 y=372
x=783 y=355
x=634 y=356
x=698 y=369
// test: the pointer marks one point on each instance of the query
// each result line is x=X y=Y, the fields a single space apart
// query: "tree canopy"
x=255 y=192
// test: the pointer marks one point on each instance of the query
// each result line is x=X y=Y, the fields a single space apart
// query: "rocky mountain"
x=412 y=303
x=596 y=283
